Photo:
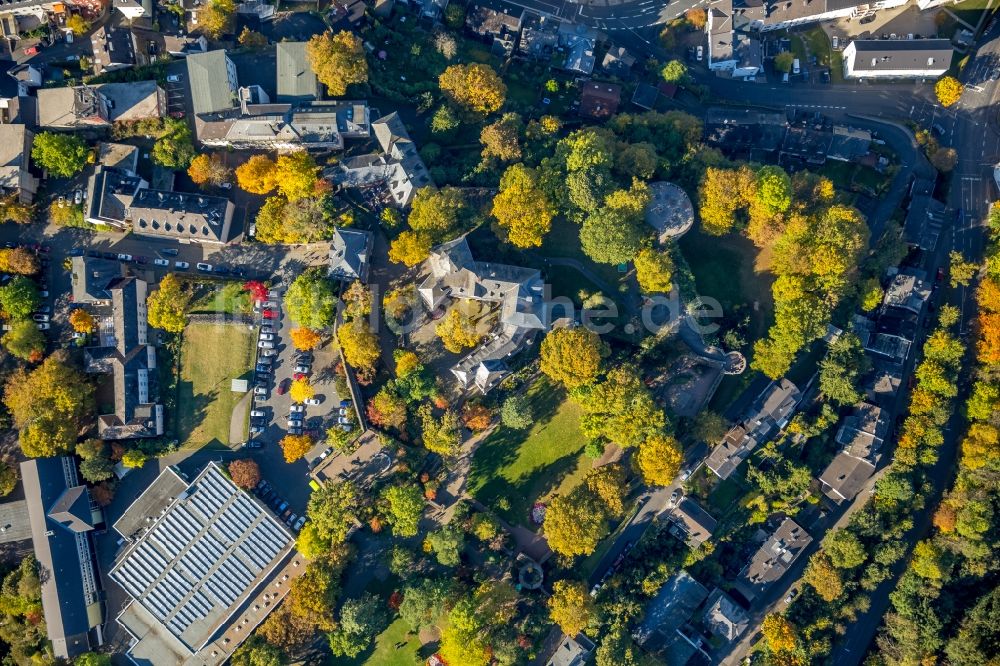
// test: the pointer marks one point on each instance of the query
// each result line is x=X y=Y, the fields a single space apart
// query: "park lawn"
x=220 y=297
x=820 y=46
x=529 y=466
x=385 y=652
x=563 y=240
x=212 y=355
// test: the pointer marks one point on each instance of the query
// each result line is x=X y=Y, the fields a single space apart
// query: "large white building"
x=897 y=58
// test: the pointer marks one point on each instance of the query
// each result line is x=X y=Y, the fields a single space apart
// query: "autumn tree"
x=216 y=17
x=295 y=446
x=575 y=523
x=48 y=405
x=614 y=233
x=296 y=174
x=784 y=61
x=404 y=507
x=245 y=473
x=696 y=18
x=823 y=577
x=522 y=207
x=571 y=607
x=338 y=61
x=208 y=169
x=674 y=71
x=251 y=38
x=722 y=193
x=475 y=86
x=387 y=409
x=436 y=212
x=458 y=331
x=928 y=561
x=441 y=435
x=12 y=209
x=77 y=25
x=301 y=390
x=502 y=139
x=948 y=90
x=961 y=271
x=62 y=155
x=19 y=298
x=359 y=345
x=166 y=307
x=304 y=339
x=620 y=409
x=659 y=459
x=607 y=483
x=25 y=341
x=81 y=321
x=779 y=634
x=654 y=270
x=18 y=260
x=476 y=417
x=257 y=175
x=410 y=248
x=573 y=356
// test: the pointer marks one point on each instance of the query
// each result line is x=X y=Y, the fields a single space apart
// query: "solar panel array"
x=206 y=551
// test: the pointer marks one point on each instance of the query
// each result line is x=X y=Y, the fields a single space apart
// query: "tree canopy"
x=311 y=300
x=61 y=154
x=475 y=86
x=338 y=60
x=166 y=307
x=573 y=356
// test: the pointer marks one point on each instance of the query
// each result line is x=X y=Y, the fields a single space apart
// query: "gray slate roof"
x=874 y=55
x=296 y=79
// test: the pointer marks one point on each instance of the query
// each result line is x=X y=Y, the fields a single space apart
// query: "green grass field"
x=211 y=356
x=527 y=466
x=220 y=297
x=385 y=652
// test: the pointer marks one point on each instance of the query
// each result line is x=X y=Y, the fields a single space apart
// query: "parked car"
x=173 y=78
x=44 y=293
x=282 y=507
x=267 y=353
x=124 y=257
x=269 y=314
x=260 y=390
x=297 y=409
x=311 y=401
x=343 y=420
x=304 y=357
x=295 y=431
x=265 y=359
x=256 y=430
x=43 y=326
x=256 y=412
x=675 y=496
x=182 y=265
x=263 y=369
x=270 y=304
x=299 y=523
x=45 y=309
x=267 y=328
x=204 y=267
x=162 y=262
x=40 y=317
x=298 y=375
x=291 y=519
x=345 y=403
x=221 y=270
x=76 y=252
x=78 y=197
x=267 y=336
x=304 y=369
x=283 y=386
x=170 y=252
x=265 y=344
x=700 y=52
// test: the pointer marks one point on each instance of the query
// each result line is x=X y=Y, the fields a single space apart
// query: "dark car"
x=283 y=386
x=221 y=270
x=109 y=255
x=94 y=253
x=141 y=260
x=170 y=252
x=76 y=252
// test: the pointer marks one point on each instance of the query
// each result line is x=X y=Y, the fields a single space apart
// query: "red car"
x=283 y=386
x=270 y=314
x=31 y=50
x=299 y=375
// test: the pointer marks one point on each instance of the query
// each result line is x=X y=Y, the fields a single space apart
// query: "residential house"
x=618 y=62
x=572 y=651
x=691 y=523
x=28 y=76
x=667 y=613
x=150 y=45
x=897 y=58
x=518 y=293
x=125 y=201
x=127 y=356
x=763 y=420
x=898 y=319
x=350 y=250
x=497 y=22
x=645 y=96
x=90 y=277
x=296 y=80
x=213 y=81
x=100 y=105
x=15 y=161
x=720 y=35
x=133 y=9
x=114 y=48
x=398 y=168
x=309 y=125
x=745 y=132
x=539 y=36
x=62 y=520
x=121 y=156
x=599 y=101
x=773 y=558
x=861 y=434
x=926 y=217
x=724 y=618
x=780 y=14
x=579 y=41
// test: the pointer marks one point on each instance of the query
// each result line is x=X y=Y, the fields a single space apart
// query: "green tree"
x=447 y=544
x=436 y=213
x=440 y=435
x=361 y=619
x=19 y=298
x=424 y=601
x=613 y=234
x=333 y=510
x=841 y=369
x=961 y=271
x=92 y=658
x=338 y=61
x=257 y=652
x=175 y=147
x=216 y=17
x=571 y=607
x=573 y=356
x=311 y=300
x=620 y=409
x=8 y=476
x=516 y=412
x=783 y=61
x=774 y=189
x=404 y=507
x=25 y=341
x=845 y=550
x=166 y=307
x=62 y=155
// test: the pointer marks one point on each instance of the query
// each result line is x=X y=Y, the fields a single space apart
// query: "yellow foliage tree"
x=571 y=607
x=653 y=270
x=659 y=460
x=338 y=60
x=948 y=90
x=980 y=446
x=301 y=390
x=522 y=207
x=257 y=175
x=476 y=87
x=166 y=307
x=296 y=175
x=208 y=169
x=304 y=339
x=457 y=331
x=410 y=248
x=215 y=17
x=295 y=446
x=81 y=321
x=573 y=356
x=779 y=634
x=823 y=577
x=359 y=344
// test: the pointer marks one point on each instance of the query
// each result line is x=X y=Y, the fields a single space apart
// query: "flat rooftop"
x=199 y=552
x=14 y=522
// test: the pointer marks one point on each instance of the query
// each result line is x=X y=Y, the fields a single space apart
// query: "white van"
x=795 y=67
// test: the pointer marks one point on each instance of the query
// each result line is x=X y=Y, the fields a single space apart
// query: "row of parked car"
x=161 y=262
x=269 y=495
x=42 y=315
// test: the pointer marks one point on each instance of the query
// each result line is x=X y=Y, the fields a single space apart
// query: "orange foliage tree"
x=295 y=446
x=304 y=339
